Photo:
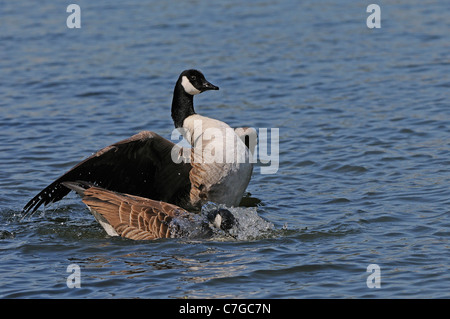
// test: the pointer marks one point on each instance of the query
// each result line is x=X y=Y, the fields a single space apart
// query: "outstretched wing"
x=133 y=217
x=141 y=165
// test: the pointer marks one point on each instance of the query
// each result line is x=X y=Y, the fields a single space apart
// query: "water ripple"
x=363 y=155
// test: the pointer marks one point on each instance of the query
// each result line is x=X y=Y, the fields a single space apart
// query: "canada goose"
x=143 y=166
x=139 y=218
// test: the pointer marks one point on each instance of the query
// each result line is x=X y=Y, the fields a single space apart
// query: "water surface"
x=364 y=124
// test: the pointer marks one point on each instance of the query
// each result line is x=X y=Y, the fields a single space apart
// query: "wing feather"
x=133 y=217
x=140 y=165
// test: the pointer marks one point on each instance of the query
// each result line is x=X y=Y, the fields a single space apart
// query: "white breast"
x=219 y=157
x=214 y=141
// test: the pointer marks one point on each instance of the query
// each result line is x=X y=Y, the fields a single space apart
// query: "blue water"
x=364 y=134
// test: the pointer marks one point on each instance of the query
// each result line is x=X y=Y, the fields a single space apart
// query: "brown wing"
x=133 y=217
x=140 y=165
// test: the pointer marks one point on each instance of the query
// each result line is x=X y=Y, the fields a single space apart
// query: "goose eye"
x=193 y=77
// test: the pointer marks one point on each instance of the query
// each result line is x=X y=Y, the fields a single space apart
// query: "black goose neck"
x=182 y=105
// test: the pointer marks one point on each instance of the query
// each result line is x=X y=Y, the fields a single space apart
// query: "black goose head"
x=190 y=83
x=194 y=82
x=222 y=218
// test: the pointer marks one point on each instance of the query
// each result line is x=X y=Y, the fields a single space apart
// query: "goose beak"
x=208 y=86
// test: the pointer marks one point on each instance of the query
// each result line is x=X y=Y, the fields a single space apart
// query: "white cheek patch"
x=188 y=87
x=217 y=221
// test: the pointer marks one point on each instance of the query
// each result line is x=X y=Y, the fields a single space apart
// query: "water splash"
x=5 y=234
x=248 y=225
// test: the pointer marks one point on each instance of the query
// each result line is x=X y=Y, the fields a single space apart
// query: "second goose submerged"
x=143 y=171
